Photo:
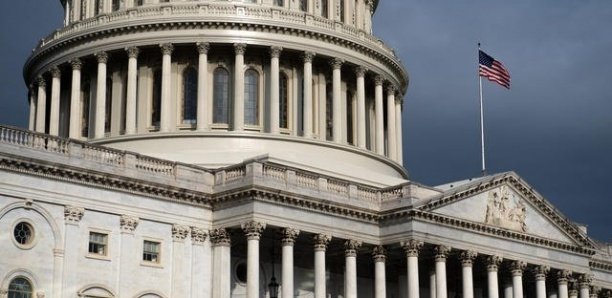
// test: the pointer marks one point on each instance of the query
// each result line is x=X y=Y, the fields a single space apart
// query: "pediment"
x=506 y=202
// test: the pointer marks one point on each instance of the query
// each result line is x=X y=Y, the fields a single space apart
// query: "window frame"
x=33 y=237
x=160 y=254
x=259 y=96
x=182 y=121
x=220 y=125
x=94 y=255
x=27 y=280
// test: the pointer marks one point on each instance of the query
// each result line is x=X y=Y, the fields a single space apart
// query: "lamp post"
x=273 y=285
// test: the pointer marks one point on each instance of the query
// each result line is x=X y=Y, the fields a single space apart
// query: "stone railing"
x=235 y=12
x=39 y=141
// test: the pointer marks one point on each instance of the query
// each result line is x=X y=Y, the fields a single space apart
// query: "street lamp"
x=273 y=285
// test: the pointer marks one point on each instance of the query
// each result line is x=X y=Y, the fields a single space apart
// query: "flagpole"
x=482 y=139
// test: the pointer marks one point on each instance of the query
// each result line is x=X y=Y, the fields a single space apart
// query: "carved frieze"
x=505 y=209
x=73 y=215
x=180 y=232
x=198 y=235
x=467 y=258
x=493 y=263
x=412 y=247
x=517 y=268
x=540 y=272
x=220 y=237
x=563 y=276
x=379 y=253
x=351 y=247
x=441 y=252
x=128 y=223
x=253 y=229
x=289 y=235
x=321 y=241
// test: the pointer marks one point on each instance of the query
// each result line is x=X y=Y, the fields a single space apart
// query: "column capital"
x=441 y=252
x=493 y=263
x=73 y=215
x=412 y=247
x=563 y=276
x=308 y=56
x=289 y=235
x=336 y=63
x=180 y=232
x=128 y=223
x=76 y=64
x=198 y=235
x=467 y=258
x=351 y=247
x=360 y=71
x=379 y=253
x=253 y=229
x=540 y=272
x=369 y=3
x=572 y=293
x=517 y=268
x=321 y=241
x=166 y=48
x=378 y=80
x=40 y=81
x=40 y=294
x=391 y=89
x=220 y=237
x=101 y=57
x=55 y=72
x=399 y=99
x=240 y=48
x=585 y=280
x=203 y=47
x=275 y=51
x=132 y=52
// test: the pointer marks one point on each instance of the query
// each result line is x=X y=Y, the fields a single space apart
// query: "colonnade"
x=384 y=141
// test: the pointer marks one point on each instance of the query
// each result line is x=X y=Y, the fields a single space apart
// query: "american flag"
x=493 y=69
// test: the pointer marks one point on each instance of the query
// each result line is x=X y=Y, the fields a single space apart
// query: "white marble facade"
x=207 y=148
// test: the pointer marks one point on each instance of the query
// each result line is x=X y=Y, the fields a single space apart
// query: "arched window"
x=283 y=104
x=251 y=97
x=329 y=111
x=20 y=288
x=156 y=100
x=85 y=109
x=304 y=5
x=221 y=96
x=324 y=9
x=109 y=105
x=190 y=95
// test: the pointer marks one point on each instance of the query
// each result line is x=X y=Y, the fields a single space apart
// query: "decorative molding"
x=73 y=215
x=501 y=214
x=412 y=247
x=220 y=237
x=308 y=56
x=166 y=48
x=101 y=57
x=198 y=235
x=540 y=272
x=132 y=52
x=493 y=263
x=517 y=267
x=40 y=81
x=351 y=247
x=379 y=254
x=76 y=64
x=321 y=241
x=441 y=252
x=253 y=229
x=467 y=258
x=240 y=48
x=360 y=71
x=275 y=51
x=203 y=47
x=128 y=223
x=336 y=63
x=378 y=80
x=601 y=265
x=180 y=232
x=288 y=236
x=563 y=276
x=585 y=280
x=55 y=72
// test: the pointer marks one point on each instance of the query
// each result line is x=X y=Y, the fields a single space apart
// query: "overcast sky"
x=554 y=127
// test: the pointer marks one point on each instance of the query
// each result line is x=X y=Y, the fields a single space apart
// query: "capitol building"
x=253 y=148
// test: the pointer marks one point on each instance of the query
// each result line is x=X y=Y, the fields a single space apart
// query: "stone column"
x=127 y=263
x=440 y=255
x=288 y=240
x=130 y=104
x=72 y=252
x=350 y=275
x=201 y=115
x=338 y=128
x=166 y=87
x=391 y=135
x=55 y=102
x=221 y=280
x=201 y=263
x=432 y=283
x=584 y=283
x=239 y=48
x=573 y=293
x=361 y=109
x=32 y=102
x=58 y=268
x=320 y=245
x=75 y=100
x=41 y=102
x=540 y=279
x=562 y=280
x=493 y=263
x=307 y=101
x=322 y=106
x=467 y=260
x=179 y=276
x=508 y=290
x=517 y=268
x=398 y=129
x=253 y=230
x=412 y=248
x=274 y=90
x=100 y=113
x=379 y=254
x=378 y=108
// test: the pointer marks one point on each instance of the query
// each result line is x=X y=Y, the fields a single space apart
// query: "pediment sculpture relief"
x=505 y=209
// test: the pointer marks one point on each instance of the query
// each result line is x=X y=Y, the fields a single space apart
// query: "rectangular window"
x=279 y=3
x=98 y=243
x=150 y=251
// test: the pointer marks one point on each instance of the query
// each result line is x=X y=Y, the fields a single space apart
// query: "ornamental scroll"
x=505 y=209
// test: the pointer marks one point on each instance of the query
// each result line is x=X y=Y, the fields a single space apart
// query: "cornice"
x=601 y=265
x=364 y=47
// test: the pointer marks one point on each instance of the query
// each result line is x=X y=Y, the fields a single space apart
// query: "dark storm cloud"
x=554 y=127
